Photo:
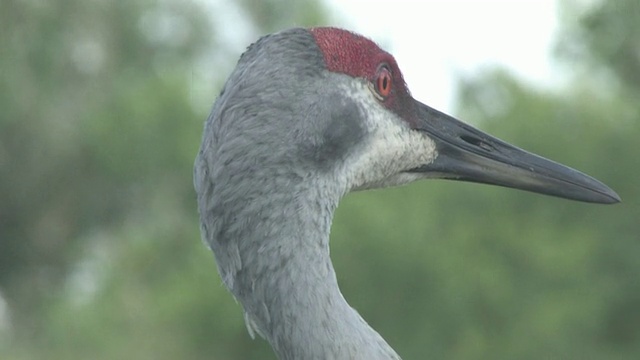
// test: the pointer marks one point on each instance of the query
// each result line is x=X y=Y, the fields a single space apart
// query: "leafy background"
x=100 y=256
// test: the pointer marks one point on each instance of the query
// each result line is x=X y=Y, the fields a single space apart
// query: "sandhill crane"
x=307 y=116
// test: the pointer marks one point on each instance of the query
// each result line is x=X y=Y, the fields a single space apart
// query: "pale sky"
x=435 y=41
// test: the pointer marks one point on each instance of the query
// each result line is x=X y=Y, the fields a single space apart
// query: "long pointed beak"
x=468 y=154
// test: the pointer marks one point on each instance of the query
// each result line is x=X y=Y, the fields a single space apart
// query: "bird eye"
x=383 y=81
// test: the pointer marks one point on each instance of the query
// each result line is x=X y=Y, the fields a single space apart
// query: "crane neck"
x=287 y=284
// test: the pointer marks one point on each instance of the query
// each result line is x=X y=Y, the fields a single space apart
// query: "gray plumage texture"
x=267 y=178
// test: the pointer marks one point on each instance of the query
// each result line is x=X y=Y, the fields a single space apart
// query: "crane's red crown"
x=355 y=55
x=352 y=54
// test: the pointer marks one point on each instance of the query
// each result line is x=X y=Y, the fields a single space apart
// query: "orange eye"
x=383 y=82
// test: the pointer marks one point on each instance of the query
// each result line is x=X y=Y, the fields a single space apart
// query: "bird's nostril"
x=477 y=142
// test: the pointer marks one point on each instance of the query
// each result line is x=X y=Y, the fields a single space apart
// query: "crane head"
x=306 y=116
x=329 y=102
x=450 y=149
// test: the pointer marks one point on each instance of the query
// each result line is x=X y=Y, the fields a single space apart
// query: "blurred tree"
x=604 y=39
x=87 y=88
x=473 y=272
x=98 y=133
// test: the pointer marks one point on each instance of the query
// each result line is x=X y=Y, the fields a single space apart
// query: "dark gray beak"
x=468 y=154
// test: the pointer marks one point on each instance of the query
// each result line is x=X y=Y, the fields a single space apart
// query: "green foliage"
x=605 y=37
x=267 y=14
x=88 y=95
x=100 y=254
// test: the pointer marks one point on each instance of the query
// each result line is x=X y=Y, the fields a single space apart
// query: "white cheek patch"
x=390 y=148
